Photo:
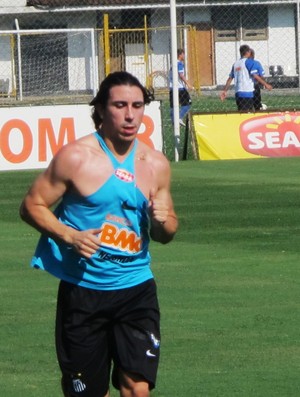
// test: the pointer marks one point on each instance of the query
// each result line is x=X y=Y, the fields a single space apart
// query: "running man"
x=112 y=193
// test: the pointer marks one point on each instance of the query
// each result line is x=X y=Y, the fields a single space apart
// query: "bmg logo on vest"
x=272 y=135
x=121 y=239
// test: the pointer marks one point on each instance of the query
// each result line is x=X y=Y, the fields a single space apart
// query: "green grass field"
x=228 y=286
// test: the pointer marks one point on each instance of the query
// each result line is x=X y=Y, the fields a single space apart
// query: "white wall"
x=14 y=3
x=278 y=49
x=160 y=48
x=5 y=61
x=80 y=61
x=282 y=39
x=80 y=52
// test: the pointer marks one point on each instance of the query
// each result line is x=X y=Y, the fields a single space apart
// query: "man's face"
x=181 y=56
x=123 y=114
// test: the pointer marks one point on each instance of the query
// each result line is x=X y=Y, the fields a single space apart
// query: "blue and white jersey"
x=257 y=68
x=121 y=210
x=181 y=70
x=242 y=73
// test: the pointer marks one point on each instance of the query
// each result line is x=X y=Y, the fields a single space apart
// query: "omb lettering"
x=122 y=239
x=18 y=129
x=145 y=134
x=12 y=126
x=66 y=134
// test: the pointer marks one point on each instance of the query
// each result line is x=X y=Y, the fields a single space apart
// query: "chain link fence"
x=59 y=51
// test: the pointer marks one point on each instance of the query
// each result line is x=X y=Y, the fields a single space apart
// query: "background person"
x=185 y=101
x=244 y=74
x=112 y=193
x=258 y=105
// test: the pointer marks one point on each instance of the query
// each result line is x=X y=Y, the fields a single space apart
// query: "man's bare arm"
x=45 y=192
x=186 y=82
x=227 y=85
x=164 y=222
x=263 y=82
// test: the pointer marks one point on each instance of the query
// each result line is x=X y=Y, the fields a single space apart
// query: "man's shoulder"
x=77 y=150
x=239 y=63
x=249 y=62
x=252 y=66
x=253 y=62
x=259 y=67
x=180 y=66
x=81 y=143
x=156 y=157
x=159 y=161
x=240 y=60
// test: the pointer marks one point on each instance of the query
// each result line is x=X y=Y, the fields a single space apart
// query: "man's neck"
x=119 y=149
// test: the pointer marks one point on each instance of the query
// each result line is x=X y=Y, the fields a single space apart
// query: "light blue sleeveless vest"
x=120 y=208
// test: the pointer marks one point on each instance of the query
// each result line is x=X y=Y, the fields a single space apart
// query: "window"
x=235 y=23
x=226 y=23
x=254 y=23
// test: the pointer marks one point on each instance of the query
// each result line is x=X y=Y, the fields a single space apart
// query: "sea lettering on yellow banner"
x=247 y=135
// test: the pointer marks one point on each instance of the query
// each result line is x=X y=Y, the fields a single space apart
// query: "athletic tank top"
x=243 y=80
x=120 y=208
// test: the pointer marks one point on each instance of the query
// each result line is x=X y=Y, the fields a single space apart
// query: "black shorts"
x=183 y=98
x=257 y=97
x=97 y=328
x=244 y=104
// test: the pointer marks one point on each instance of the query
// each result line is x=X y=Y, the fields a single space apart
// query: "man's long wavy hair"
x=112 y=80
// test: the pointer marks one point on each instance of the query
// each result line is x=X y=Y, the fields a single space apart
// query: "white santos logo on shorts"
x=78 y=385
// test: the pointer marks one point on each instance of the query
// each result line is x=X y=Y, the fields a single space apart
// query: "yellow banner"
x=247 y=135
